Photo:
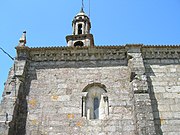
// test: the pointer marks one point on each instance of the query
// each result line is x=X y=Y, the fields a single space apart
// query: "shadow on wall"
x=157 y=120
x=80 y=64
x=18 y=123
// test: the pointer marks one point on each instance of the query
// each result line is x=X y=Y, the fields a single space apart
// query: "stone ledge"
x=164 y=52
x=78 y=54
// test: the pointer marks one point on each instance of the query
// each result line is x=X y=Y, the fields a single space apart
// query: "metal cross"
x=82 y=4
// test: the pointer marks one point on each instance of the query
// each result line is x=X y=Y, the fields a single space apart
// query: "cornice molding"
x=78 y=53
x=63 y=53
x=161 y=52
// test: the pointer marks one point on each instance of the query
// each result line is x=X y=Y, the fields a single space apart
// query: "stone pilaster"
x=10 y=102
x=142 y=105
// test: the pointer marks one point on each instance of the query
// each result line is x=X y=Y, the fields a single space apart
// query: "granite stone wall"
x=55 y=99
x=164 y=85
x=45 y=90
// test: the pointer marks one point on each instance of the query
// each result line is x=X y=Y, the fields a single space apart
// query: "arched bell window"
x=78 y=43
x=79 y=28
x=95 y=102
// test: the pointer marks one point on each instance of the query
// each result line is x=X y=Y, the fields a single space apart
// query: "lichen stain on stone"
x=79 y=124
x=33 y=102
x=70 y=116
x=34 y=122
x=162 y=121
x=54 y=97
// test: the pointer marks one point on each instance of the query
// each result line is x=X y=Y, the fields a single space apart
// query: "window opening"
x=95 y=103
x=79 y=28
x=96 y=108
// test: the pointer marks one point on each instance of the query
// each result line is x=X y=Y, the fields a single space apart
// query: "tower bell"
x=81 y=31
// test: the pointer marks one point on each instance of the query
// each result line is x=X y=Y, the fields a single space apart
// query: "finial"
x=22 y=40
x=82 y=10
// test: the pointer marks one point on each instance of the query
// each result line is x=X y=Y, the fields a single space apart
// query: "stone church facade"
x=85 y=89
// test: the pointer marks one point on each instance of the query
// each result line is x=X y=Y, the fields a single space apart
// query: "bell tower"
x=81 y=31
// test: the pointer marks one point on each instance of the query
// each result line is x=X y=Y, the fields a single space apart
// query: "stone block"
x=172 y=122
x=166 y=115
x=110 y=128
x=160 y=83
x=164 y=108
x=102 y=133
x=67 y=110
x=62 y=86
x=171 y=133
x=169 y=128
x=164 y=101
x=62 y=98
x=173 y=89
x=175 y=108
x=129 y=128
x=171 y=95
x=176 y=115
x=118 y=102
x=121 y=110
x=128 y=133
x=159 y=89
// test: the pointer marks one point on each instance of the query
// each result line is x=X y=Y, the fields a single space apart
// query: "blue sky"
x=114 y=22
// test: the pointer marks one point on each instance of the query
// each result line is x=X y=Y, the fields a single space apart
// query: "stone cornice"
x=75 y=48
x=96 y=52
x=161 y=52
x=100 y=46
x=78 y=37
x=161 y=46
x=77 y=53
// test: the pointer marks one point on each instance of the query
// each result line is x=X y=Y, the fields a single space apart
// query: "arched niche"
x=95 y=102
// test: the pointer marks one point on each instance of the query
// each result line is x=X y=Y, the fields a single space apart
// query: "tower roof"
x=81 y=13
